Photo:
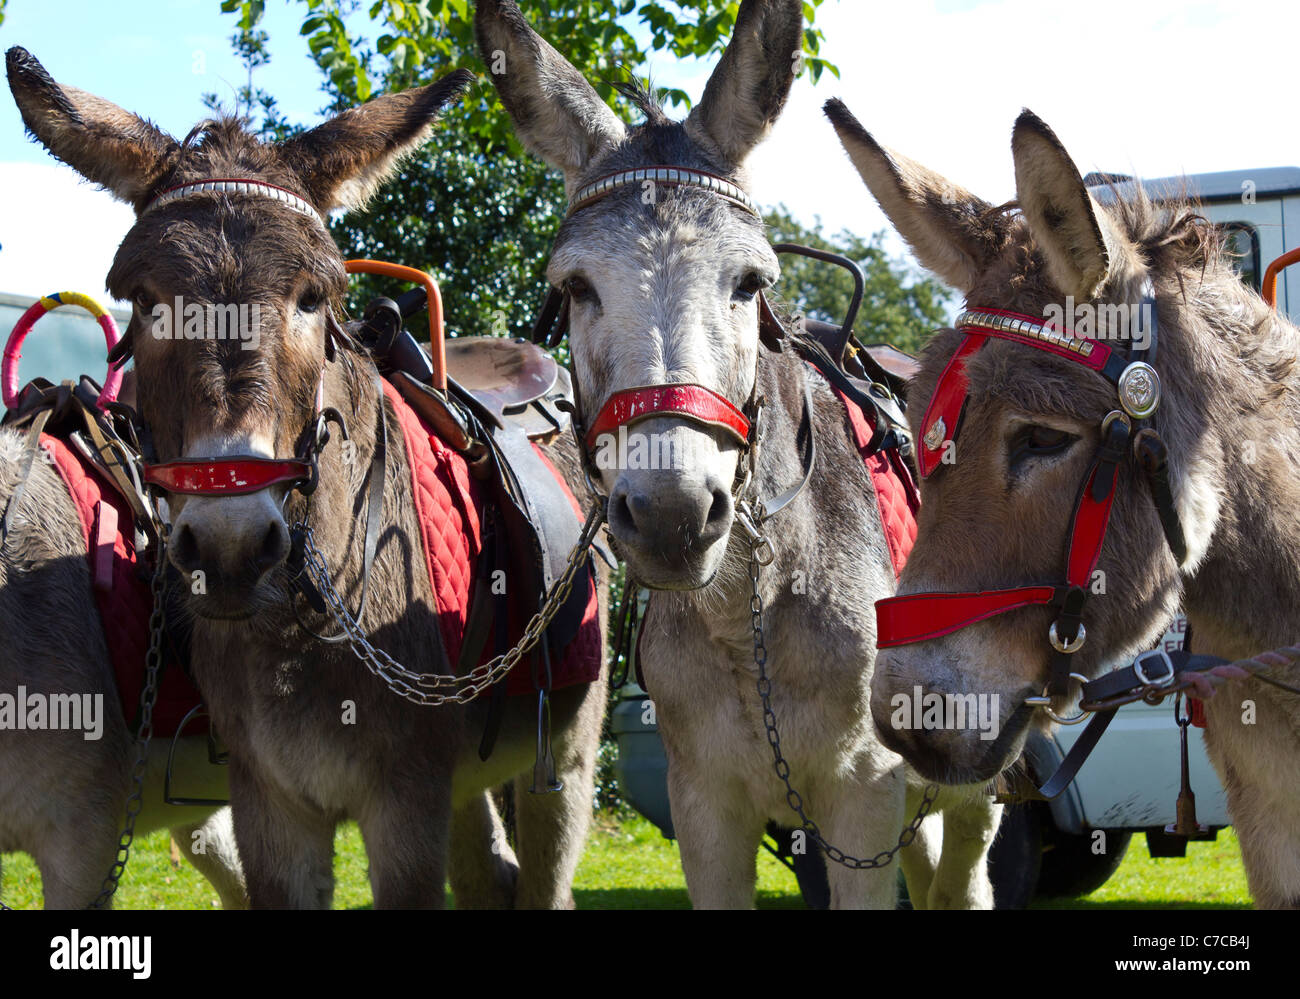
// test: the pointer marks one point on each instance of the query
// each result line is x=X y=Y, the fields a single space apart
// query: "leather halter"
x=226 y=476
x=241 y=474
x=919 y=617
x=693 y=402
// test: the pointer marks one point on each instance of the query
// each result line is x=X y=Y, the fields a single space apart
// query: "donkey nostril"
x=720 y=511
x=185 y=550
x=274 y=548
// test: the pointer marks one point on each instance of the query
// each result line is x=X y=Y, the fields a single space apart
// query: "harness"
x=1125 y=433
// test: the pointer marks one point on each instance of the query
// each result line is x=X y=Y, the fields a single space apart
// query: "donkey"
x=63 y=792
x=665 y=291
x=313 y=737
x=999 y=514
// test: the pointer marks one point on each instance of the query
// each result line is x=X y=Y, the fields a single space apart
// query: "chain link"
x=793 y=798
x=423 y=688
x=135 y=801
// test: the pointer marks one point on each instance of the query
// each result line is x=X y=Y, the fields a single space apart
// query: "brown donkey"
x=1223 y=390
x=314 y=738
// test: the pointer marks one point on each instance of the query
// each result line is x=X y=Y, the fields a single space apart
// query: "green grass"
x=629 y=865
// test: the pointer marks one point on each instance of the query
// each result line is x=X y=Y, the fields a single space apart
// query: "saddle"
x=477 y=470
x=86 y=447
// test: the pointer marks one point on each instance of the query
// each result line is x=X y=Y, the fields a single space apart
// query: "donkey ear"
x=1079 y=243
x=114 y=148
x=557 y=114
x=343 y=161
x=948 y=228
x=747 y=91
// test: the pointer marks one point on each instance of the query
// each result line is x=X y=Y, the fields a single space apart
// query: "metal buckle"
x=1067 y=647
x=1159 y=681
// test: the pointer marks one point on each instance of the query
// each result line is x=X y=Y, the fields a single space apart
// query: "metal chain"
x=135 y=801
x=405 y=682
x=793 y=798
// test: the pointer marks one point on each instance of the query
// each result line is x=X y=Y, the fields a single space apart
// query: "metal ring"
x=1067 y=647
x=1045 y=702
x=1111 y=417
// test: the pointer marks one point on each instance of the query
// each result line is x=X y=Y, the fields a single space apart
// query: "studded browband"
x=589 y=194
x=231 y=186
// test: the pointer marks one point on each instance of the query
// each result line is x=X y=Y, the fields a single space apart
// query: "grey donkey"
x=62 y=795
x=664 y=288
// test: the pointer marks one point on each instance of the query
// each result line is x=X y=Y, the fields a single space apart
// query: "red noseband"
x=226 y=476
x=692 y=402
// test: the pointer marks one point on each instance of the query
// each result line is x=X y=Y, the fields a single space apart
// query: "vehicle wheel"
x=1015 y=856
x=1070 y=868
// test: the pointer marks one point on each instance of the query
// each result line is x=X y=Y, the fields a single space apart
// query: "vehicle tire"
x=1070 y=868
x=1015 y=857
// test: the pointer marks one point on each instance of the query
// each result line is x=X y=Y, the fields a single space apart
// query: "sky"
x=1151 y=87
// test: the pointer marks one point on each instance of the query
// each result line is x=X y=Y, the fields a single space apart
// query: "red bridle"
x=692 y=402
x=226 y=476
x=240 y=474
x=919 y=617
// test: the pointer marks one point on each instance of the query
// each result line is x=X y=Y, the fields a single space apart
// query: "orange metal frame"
x=437 y=350
x=1268 y=287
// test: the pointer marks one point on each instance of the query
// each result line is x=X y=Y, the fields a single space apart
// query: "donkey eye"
x=580 y=289
x=310 y=301
x=144 y=301
x=1040 y=442
x=751 y=284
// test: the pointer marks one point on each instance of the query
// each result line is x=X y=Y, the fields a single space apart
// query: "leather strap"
x=226 y=476
x=918 y=617
x=807 y=433
x=32 y=445
x=1079 y=752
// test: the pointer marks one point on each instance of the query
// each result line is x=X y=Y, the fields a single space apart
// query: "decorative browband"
x=255 y=188
x=1004 y=323
x=668 y=176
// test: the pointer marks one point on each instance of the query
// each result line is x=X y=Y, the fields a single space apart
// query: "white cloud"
x=57 y=231
x=1157 y=88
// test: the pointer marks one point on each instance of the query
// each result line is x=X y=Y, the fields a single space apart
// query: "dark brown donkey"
x=1223 y=391
x=314 y=737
